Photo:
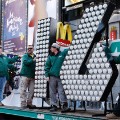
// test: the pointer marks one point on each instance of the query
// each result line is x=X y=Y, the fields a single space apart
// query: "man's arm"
x=13 y=60
x=27 y=61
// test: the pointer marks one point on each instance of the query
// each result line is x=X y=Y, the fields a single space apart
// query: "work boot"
x=112 y=116
x=65 y=108
x=31 y=106
x=53 y=108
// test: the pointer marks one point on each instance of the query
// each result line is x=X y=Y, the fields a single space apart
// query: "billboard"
x=14 y=25
x=37 y=10
x=70 y=2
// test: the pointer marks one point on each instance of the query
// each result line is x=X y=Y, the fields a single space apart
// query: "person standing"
x=52 y=73
x=4 y=76
x=27 y=78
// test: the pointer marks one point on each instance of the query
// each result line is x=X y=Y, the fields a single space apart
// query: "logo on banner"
x=64 y=34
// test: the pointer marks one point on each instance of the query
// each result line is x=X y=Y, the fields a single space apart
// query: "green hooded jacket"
x=28 y=66
x=54 y=63
x=4 y=65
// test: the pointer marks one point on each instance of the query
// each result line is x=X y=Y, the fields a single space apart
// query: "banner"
x=37 y=10
x=14 y=25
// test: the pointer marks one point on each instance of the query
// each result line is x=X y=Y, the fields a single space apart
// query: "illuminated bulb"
x=100 y=7
x=95 y=18
x=104 y=71
x=92 y=65
x=103 y=87
x=103 y=54
x=78 y=82
x=93 y=14
x=100 y=82
x=97 y=88
x=89 y=15
x=95 y=93
x=100 y=93
x=102 y=11
x=98 y=76
x=75 y=37
x=91 y=60
x=87 y=45
x=91 y=82
x=94 y=29
x=108 y=76
x=68 y=97
x=76 y=97
x=97 y=12
x=100 y=17
x=92 y=24
x=89 y=76
x=89 y=87
x=86 y=20
x=80 y=26
x=93 y=87
x=72 y=86
x=84 y=15
x=107 y=65
x=96 y=82
x=93 y=55
x=78 y=31
x=71 y=97
x=74 y=92
x=90 y=29
x=95 y=71
x=88 y=25
x=91 y=19
x=70 y=91
x=82 y=21
x=105 y=82
x=78 y=92
x=95 y=8
x=105 y=6
x=93 y=98
x=87 y=10
x=109 y=71
x=95 y=60
x=89 y=39
x=99 y=71
x=91 y=93
x=88 y=98
x=80 y=87
x=103 y=76
x=105 y=60
x=97 y=98
x=100 y=49
x=84 y=98
x=86 y=30
x=97 y=65
x=80 y=97
x=82 y=92
x=102 y=65
x=88 y=35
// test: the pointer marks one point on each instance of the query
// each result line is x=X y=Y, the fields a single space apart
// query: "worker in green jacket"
x=4 y=65
x=28 y=75
x=52 y=73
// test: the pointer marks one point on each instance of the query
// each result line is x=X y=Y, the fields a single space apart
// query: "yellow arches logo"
x=64 y=34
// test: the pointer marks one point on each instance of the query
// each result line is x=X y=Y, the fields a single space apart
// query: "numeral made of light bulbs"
x=87 y=57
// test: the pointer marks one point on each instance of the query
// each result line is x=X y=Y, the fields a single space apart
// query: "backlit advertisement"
x=14 y=22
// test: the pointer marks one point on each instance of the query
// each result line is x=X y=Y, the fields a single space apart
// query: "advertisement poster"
x=15 y=21
x=37 y=10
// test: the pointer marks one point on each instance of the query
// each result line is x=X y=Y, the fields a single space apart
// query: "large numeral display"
x=45 y=37
x=86 y=73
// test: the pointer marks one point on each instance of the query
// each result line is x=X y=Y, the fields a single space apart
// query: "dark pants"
x=117 y=108
x=55 y=87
